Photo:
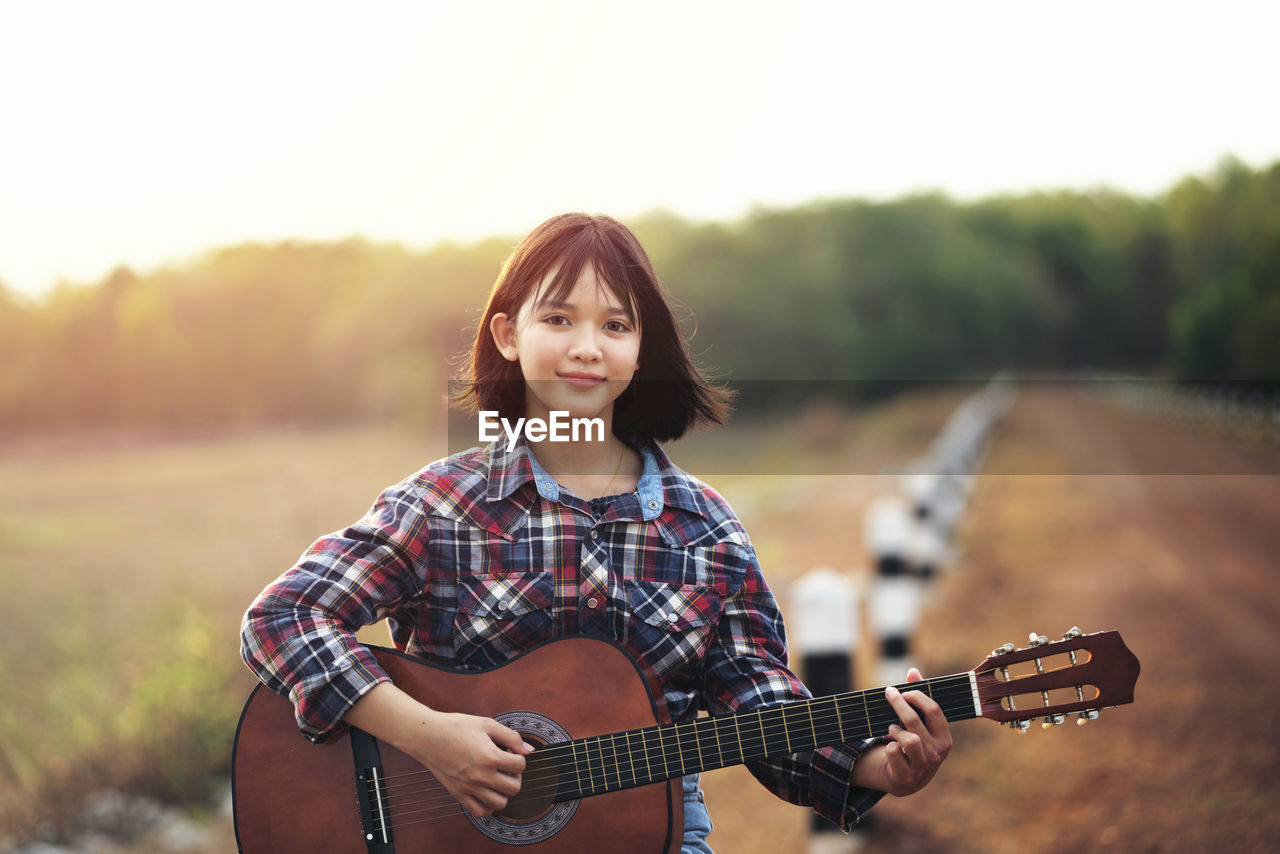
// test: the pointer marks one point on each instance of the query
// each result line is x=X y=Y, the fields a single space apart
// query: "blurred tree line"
x=924 y=288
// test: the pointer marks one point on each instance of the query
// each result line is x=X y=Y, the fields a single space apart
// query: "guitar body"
x=293 y=796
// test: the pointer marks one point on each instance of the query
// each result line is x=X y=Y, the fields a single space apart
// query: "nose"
x=585 y=347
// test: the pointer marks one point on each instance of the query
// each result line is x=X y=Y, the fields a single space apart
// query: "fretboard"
x=623 y=760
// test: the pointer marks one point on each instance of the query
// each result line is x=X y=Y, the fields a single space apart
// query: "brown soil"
x=1098 y=517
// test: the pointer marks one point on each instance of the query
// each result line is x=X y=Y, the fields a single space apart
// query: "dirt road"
x=1098 y=517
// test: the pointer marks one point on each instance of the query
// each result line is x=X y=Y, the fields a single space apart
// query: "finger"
x=506 y=785
x=934 y=720
x=906 y=714
x=492 y=800
x=509 y=763
x=913 y=675
x=909 y=744
x=507 y=738
x=895 y=758
x=475 y=806
x=511 y=749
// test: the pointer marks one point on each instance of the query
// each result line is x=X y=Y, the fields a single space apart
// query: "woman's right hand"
x=478 y=760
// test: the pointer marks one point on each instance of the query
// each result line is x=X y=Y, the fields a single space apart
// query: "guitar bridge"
x=375 y=821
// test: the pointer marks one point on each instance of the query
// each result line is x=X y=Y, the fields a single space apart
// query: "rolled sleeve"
x=747 y=669
x=298 y=636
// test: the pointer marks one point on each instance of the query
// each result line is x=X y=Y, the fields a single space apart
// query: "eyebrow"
x=553 y=302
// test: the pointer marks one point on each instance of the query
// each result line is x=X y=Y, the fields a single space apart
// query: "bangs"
x=613 y=274
x=668 y=395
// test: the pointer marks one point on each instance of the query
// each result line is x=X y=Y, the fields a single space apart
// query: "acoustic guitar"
x=605 y=772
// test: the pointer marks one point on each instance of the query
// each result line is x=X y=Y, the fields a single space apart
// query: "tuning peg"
x=1087 y=715
x=1073 y=632
x=1052 y=720
x=1020 y=727
x=1001 y=650
x=1037 y=640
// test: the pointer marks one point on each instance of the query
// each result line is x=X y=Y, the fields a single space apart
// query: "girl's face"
x=577 y=354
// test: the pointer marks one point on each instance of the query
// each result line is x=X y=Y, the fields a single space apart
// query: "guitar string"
x=659 y=748
x=870 y=695
x=961 y=686
x=687 y=738
x=450 y=807
x=401 y=818
x=399 y=807
x=619 y=770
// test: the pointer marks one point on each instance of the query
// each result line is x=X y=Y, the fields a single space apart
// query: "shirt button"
x=504 y=605
x=592 y=602
x=653 y=505
x=671 y=618
x=594 y=533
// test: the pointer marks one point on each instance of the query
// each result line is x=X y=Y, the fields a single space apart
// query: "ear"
x=504 y=336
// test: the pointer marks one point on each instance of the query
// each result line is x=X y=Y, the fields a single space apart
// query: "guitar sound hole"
x=532 y=815
x=526 y=807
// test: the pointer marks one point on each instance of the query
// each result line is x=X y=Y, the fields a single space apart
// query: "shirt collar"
x=661 y=482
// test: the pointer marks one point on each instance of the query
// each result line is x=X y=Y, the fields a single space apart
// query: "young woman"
x=482 y=555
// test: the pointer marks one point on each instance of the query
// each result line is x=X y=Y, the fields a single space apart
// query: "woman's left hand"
x=917 y=747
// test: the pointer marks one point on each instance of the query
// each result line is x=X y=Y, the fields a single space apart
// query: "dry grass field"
x=126 y=567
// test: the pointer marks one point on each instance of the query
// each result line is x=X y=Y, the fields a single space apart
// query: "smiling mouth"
x=582 y=380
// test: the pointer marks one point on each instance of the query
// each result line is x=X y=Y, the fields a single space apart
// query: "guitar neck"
x=622 y=760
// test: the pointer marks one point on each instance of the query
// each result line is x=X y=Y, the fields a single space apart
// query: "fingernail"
x=891 y=691
x=528 y=748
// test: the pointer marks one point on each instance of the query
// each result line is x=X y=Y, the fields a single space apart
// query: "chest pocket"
x=671 y=624
x=500 y=615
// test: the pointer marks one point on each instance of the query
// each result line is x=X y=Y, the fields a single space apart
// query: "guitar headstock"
x=1050 y=680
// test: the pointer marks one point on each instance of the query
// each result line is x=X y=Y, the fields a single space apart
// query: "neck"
x=605 y=763
x=579 y=458
x=590 y=469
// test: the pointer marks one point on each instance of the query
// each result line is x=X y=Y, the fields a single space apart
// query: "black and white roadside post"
x=893 y=602
x=824 y=624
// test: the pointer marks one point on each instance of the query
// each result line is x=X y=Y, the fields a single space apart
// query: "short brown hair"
x=668 y=394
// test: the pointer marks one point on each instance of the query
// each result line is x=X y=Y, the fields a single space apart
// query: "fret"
x=617 y=767
x=577 y=769
x=651 y=774
x=749 y=743
x=867 y=711
x=779 y=746
x=631 y=760
x=605 y=764
x=598 y=754
x=698 y=745
x=764 y=744
x=791 y=729
x=737 y=730
x=666 y=764
x=827 y=728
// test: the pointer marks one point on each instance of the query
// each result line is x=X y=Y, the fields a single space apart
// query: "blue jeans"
x=697 y=821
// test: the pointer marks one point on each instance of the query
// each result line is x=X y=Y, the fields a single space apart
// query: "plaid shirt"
x=483 y=555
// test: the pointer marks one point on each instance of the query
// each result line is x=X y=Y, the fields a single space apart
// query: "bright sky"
x=146 y=132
